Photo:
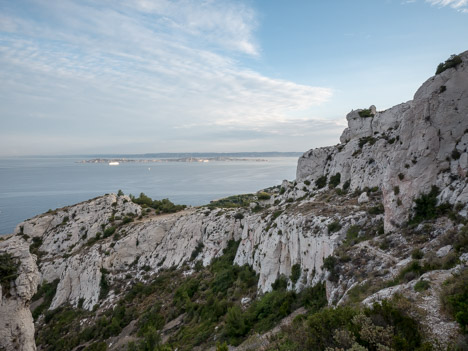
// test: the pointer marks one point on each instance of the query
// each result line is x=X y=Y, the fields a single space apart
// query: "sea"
x=32 y=185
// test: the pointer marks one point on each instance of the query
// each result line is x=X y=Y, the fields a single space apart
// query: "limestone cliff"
x=412 y=146
x=350 y=202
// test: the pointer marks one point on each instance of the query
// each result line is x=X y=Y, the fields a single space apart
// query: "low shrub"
x=364 y=140
x=8 y=271
x=263 y=196
x=452 y=62
x=455 y=298
x=422 y=285
x=321 y=182
x=334 y=180
x=334 y=227
x=365 y=113
x=295 y=272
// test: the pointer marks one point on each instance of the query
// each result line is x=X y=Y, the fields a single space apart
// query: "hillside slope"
x=373 y=218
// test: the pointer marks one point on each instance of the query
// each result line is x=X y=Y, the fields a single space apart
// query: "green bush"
x=364 y=140
x=365 y=113
x=321 y=182
x=35 y=245
x=263 y=196
x=452 y=62
x=376 y=210
x=239 y=215
x=330 y=263
x=421 y=285
x=335 y=180
x=47 y=292
x=334 y=227
x=108 y=232
x=417 y=254
x=197 y=250
x=103 y=284
x=8 y=271
x=381 y=327
x=346 y=185
x=426 y=207
x=455 y=298
x=234 y=201
x=161 y=206
x=295 y=272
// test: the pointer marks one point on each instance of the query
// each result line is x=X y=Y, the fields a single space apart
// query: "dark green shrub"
x=8 y=271
x=307 y=182
x=236 y=325
x=396 y=190
x=197 y=250
x=235 y=201
x=376 y=210
x=152 y=318
x=239 y=215
x=455 y=298
x=364 y=140
x=365 y=113
x=455 y=154
x=126 y=220
x=452 y=62
x=346 y=185
x=295 y=272
x=426 y=207
x=321 y=182
x=334 y=227
x=108 y=232
x=47 y=292
x=281 y=283
x=103 y=284
x=417 y=254
x=161 y=206
x=335 y=180
x=276 y=214
x=421 y=285
x=330 y=264
x=263 y=196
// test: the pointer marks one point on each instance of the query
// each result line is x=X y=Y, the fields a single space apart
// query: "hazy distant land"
x=191 y=157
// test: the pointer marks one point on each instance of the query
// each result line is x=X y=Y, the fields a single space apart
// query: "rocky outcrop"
x=16 y=323
x=411 y=146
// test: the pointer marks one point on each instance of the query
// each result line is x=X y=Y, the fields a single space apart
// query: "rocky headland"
x=379 y=217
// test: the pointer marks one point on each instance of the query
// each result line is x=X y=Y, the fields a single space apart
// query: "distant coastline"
x=116 y=161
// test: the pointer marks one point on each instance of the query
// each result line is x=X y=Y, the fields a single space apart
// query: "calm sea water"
x=30 y=186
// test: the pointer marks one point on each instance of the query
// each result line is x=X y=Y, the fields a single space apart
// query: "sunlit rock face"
x=411 y=146
x=16 y=322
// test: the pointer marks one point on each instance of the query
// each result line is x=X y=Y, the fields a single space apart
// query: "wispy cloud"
x=459 y=5
x=146 y=66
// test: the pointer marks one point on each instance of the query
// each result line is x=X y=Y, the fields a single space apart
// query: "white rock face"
x=363 y=198
x=16 y=323
x=410 y=146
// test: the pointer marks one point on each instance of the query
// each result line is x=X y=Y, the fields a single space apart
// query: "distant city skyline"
x=143 y=76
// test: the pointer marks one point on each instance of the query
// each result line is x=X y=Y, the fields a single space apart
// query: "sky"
x=147 y=76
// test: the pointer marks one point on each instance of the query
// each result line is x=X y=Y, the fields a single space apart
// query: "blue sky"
x=136 y=76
